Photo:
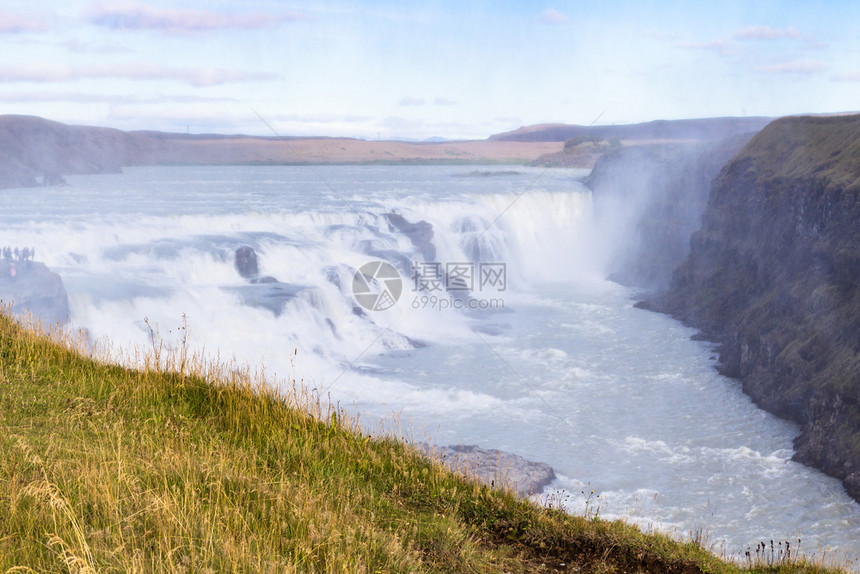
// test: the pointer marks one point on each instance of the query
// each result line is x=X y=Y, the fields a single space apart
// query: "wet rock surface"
x=419 y=233
x=272 y=296
x=264 y=292
x=246 y=262
x=31 y=288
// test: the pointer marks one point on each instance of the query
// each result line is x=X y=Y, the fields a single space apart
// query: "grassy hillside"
x=105 y=469
x=805 y=148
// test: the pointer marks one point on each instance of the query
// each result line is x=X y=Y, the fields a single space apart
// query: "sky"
x=400 y=69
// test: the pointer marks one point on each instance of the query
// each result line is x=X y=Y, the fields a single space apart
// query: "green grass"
x=182 y=466
x=806 y=147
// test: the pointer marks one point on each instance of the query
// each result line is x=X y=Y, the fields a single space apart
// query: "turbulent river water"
x=540 y=356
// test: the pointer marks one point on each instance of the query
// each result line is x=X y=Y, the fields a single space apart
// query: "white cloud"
x=850 y=77
x=795 y=67
x=131 y=15
x=196 y=77
x=813 y=43
x=766 y=33
x=411 y=101
x=199 y=119
x=79 y=47
x=402 y=126
x=721 y=47
x=810 y=42
x=16 y=23
x=444 y=102
x=92 y=98
x=321 y=118
x=552 y=16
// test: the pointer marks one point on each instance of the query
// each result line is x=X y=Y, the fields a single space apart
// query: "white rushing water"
x=552 y=362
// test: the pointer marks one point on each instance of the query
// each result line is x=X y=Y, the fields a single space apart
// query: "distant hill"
x=705 y=129
x=38 y=151
x=35 y=151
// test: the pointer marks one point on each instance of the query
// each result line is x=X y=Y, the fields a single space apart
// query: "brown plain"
x=249 y=150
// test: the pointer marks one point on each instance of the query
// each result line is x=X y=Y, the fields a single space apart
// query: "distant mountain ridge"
x=704 y=129
x=35 y=151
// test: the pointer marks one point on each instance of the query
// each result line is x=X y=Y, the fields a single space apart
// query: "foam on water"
x=616 y=399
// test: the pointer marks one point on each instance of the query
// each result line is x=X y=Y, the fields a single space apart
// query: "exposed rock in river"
x=262 y=292
x=419 y=233
x=272 y=295
x=246 y=262
x=774 y=276
x=494 y=467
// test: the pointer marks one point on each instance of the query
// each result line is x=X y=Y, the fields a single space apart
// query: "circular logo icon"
x=376 y=286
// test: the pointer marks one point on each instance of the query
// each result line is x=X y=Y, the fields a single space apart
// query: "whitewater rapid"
x=551 y=361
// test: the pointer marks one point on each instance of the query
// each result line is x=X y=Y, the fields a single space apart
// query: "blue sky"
x=421 y=69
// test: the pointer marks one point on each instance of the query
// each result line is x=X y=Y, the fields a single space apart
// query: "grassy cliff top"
x=106 y=469
x=802 y=147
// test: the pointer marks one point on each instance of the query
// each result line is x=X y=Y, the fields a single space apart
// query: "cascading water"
x=541 y=357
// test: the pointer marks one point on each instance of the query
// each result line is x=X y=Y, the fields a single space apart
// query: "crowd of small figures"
x=15 y=254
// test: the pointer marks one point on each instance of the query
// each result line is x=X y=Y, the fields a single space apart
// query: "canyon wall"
x=773 y=275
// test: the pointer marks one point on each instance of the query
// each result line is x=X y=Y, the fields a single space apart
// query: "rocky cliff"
x=31 y=289
x=773 y=275
x=36 y=151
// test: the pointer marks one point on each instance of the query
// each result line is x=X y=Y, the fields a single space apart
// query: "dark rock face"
x=34 y=289
x=246 y=262
x=649 y=200
x=272 y=295
x=263 y=292
x=774 y=276
x=494 y=467
x=420 y=233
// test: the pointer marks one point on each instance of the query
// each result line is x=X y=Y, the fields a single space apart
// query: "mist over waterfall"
x=502 y=331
